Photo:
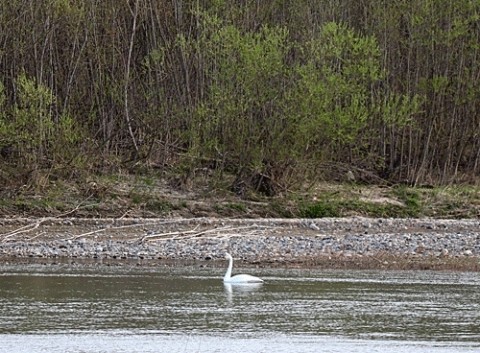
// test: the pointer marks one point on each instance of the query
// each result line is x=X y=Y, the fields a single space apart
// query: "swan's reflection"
x=240 y=289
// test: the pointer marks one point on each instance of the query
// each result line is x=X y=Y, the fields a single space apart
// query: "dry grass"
x=123 y=195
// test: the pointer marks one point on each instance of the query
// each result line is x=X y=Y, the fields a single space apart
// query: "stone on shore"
x=267 y=240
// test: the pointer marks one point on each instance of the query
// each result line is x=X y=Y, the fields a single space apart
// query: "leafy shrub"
x=319 y=209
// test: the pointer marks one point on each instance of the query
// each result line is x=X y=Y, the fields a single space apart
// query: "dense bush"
x=274 y=92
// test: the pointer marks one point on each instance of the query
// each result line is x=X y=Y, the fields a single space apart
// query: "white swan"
x=238 y=278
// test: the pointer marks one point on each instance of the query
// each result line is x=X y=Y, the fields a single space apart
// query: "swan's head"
x=228 y=256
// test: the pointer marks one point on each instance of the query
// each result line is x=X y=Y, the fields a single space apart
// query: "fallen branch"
x=36 y=236
x=109 y=228
x=191 y=234
x=194 y=233
x=76 y=208
x=161 y=235
x=24 y=229
x=75 y=237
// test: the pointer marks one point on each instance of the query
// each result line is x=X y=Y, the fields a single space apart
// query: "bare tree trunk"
x=127 y=77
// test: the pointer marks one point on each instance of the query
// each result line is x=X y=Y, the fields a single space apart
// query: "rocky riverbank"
x=328 y=242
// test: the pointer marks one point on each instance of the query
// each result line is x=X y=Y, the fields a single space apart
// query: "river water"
x=64 y=308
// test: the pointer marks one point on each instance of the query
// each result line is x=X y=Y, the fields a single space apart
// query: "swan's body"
x=238 y=278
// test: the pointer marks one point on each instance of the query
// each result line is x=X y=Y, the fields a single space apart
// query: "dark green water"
x=188 y=309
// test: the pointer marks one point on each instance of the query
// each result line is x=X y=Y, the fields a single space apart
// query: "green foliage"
x=239 y=207
x=341 y=207
x=32 y=120
x=399 y=109
x=411 y=198
x=275 y=88
x=320 y=209
x=262 y=111
x=158 y=205
x=29 y=125
x=241 y=116
x=333 y=101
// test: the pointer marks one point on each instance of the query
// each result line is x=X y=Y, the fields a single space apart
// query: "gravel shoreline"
x=252 y=240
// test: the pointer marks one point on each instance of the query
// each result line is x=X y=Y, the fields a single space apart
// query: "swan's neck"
x=228 y=274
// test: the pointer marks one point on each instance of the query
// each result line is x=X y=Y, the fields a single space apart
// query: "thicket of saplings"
x=273 y=93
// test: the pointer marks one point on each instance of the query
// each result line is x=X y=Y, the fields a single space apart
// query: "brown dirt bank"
x=334 y=262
